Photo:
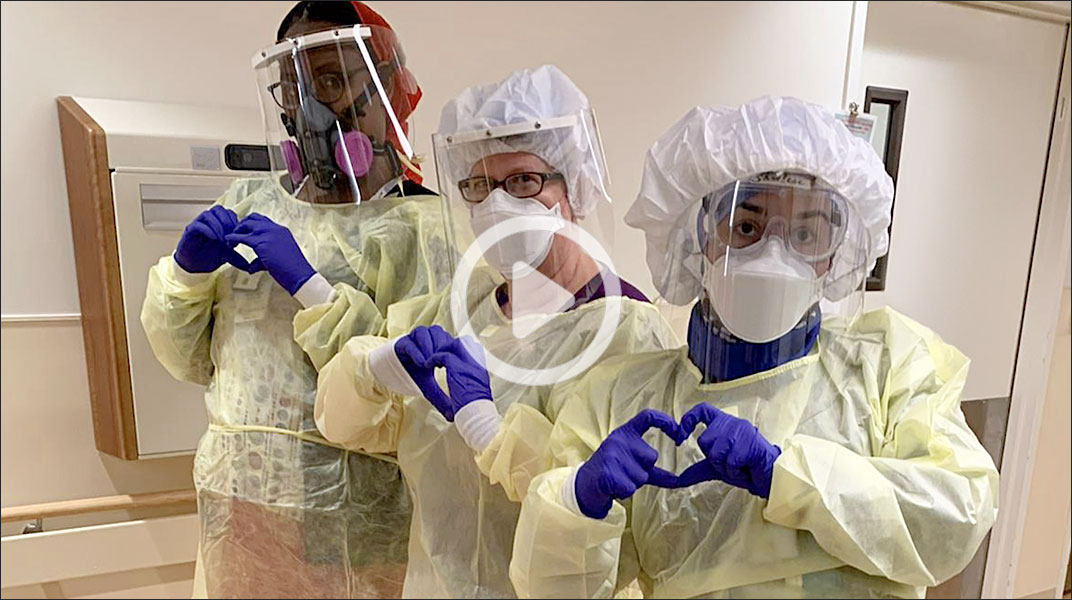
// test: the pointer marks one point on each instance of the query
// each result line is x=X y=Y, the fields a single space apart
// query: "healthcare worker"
x=782 y=452
x=285 y=513
x=524 y=151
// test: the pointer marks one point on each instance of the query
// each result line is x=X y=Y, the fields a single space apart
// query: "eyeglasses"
x=327 y=88
x=519 y=185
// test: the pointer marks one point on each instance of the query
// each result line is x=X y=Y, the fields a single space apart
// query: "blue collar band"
x=721 y=356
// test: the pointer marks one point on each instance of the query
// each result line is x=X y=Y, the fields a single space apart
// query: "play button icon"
x=535 y=299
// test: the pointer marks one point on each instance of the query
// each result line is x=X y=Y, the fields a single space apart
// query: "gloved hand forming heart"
x=426 y=348
x=734 y=452
x=277 y=251
x=203 y=247
x=623 y=463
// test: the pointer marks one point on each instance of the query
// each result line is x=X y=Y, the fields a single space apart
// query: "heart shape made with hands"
x=734 y=452
x=427 y=349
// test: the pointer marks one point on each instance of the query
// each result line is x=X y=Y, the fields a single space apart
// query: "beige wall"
x=188 y=52
x=980 y=107
x=173 y=581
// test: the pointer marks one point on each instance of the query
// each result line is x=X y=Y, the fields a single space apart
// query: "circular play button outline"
x=611 y=310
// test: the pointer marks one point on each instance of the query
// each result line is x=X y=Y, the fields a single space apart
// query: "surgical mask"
x=529 y=246
x=762 y=294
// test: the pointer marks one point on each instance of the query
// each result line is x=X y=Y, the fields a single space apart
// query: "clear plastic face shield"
x=519 y=191
x=774 y=245
x=530 y=200
x=330 y=102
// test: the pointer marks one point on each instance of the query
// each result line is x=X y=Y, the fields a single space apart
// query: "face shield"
x=774 y=245
x=513 y=189
x=330 y=102
x=530 y=199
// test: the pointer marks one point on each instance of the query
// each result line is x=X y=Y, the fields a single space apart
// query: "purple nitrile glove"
x=277 y=252
x=467 y=377
x=623 y=463
x=425 y=348
x=203 y=247
x=414 y=351
x=734 y=451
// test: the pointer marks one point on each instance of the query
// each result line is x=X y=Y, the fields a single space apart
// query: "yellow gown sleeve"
x=352 y=408
x=323 y=329
x=559 y=553
x=518 y=452
x=177 y=319
x=522 y=448
x=916 y=511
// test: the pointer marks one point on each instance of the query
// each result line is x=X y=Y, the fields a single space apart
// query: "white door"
x=981 y=88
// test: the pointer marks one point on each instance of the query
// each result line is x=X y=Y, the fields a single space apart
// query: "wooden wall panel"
x=89 y=195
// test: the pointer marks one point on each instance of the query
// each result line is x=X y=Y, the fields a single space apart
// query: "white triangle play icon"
x=535 y=299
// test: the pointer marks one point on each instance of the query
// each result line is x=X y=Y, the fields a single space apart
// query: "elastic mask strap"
x=412 y=165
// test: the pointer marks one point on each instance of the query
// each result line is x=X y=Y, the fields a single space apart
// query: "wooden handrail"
x=29 y=512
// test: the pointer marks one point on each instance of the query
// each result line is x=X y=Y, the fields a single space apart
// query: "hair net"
x=524 y=96
x=712 y=147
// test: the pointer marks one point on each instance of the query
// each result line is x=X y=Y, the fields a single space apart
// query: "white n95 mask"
x=531 y=245
x=762 y=294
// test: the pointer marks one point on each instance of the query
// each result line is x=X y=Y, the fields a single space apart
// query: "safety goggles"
x=807 y=215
